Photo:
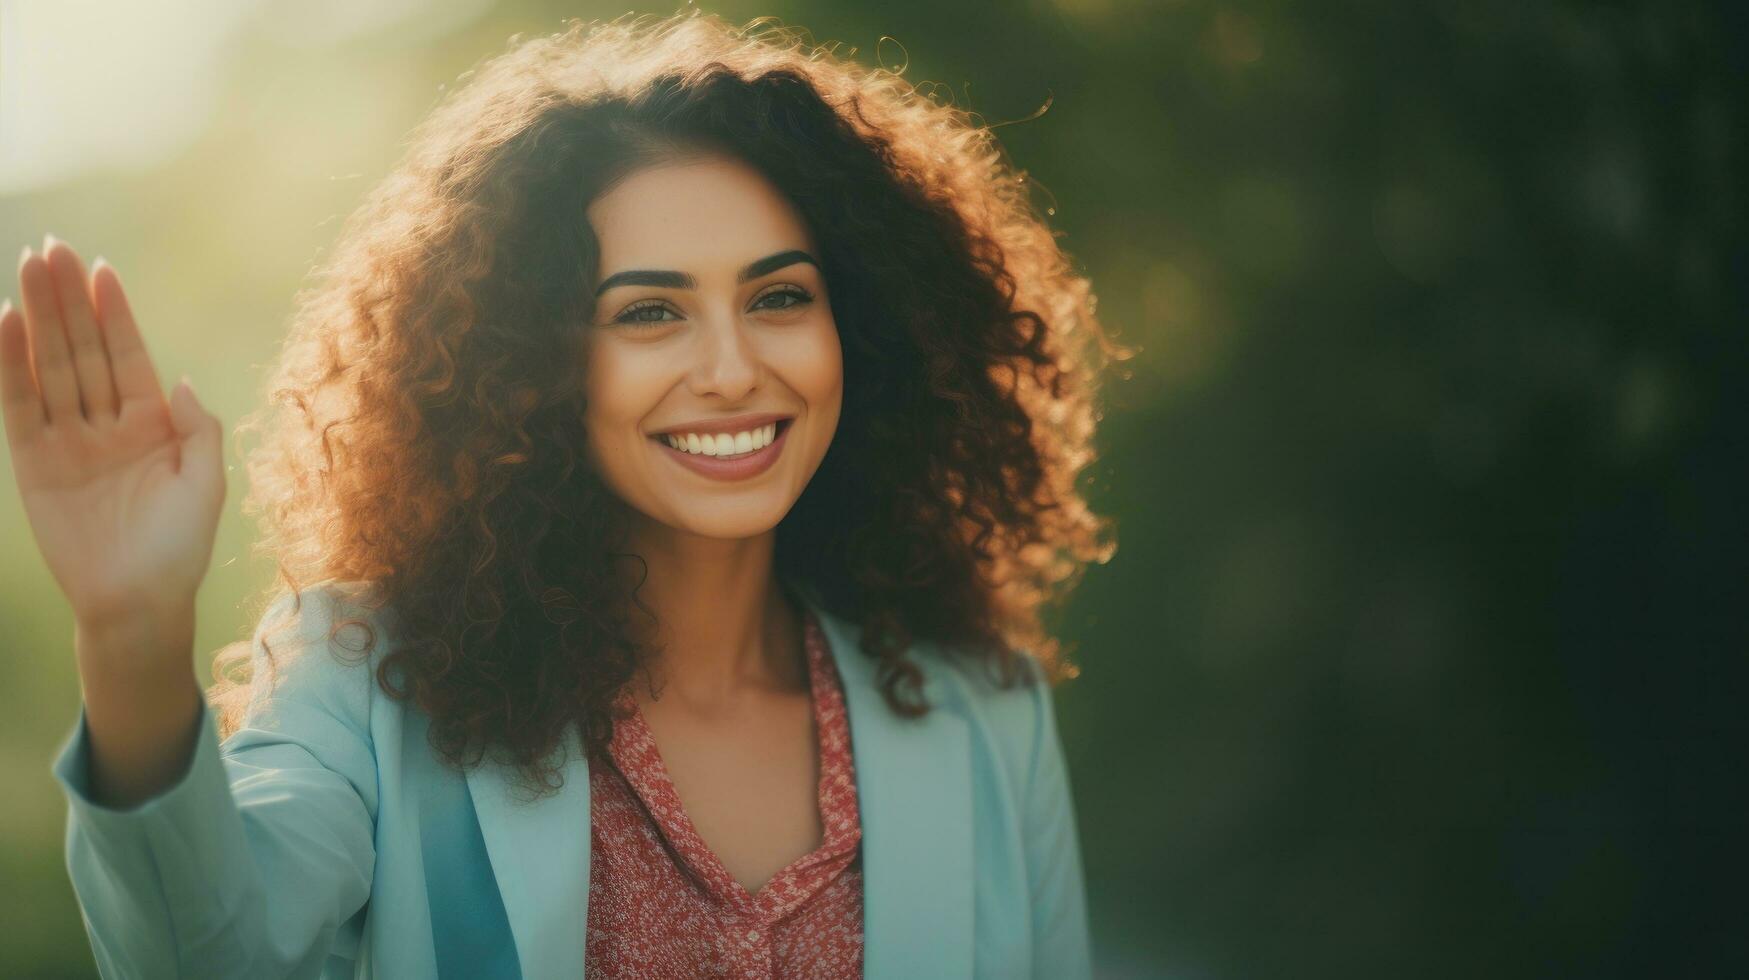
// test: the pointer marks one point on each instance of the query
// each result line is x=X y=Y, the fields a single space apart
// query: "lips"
x=730 y=467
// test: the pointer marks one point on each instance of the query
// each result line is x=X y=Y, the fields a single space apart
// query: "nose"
x=725 y=361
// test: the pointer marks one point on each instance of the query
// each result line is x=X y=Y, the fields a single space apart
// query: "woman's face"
x=712 y=334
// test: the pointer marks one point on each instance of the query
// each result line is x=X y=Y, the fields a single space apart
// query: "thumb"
x=196 y=428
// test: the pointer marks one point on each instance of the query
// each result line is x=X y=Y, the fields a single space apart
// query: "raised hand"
x=122 y=488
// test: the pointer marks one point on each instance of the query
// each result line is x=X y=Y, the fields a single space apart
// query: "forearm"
x=142 y=704
x=252 y=861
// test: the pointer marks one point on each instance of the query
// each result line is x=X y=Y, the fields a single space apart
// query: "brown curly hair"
x=423 y=432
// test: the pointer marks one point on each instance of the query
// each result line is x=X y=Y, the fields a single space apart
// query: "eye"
x=637 y=312
x=796 y=296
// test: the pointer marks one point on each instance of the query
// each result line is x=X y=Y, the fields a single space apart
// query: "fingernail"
x=48 y=242
x=97 y=262
x=24 y=256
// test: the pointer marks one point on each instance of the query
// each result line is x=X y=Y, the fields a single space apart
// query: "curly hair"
x=423 y=432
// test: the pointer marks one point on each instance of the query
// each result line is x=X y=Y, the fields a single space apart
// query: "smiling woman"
x=688 y=432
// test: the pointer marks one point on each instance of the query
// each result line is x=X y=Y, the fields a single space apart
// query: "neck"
x=725 y=629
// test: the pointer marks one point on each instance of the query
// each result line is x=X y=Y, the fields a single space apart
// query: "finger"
x=19 y=399
x=135 y=376
x=48 y=340
x=90 y=360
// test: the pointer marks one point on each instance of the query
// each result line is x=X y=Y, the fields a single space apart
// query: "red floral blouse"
x=662 y=905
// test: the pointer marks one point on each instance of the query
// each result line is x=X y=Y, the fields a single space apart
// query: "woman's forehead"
x=712 y=213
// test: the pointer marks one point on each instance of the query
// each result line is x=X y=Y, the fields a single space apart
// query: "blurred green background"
x=1422 y=651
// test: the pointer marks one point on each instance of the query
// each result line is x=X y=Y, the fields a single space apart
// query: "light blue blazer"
x=325 y=839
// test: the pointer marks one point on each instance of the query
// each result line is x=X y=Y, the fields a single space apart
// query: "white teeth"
x=723 y=443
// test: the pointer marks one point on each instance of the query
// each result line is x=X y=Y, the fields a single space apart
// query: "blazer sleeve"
x=1061 y=946
x=250 y=863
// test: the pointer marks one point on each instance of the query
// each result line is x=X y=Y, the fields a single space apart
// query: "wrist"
x=152 y=646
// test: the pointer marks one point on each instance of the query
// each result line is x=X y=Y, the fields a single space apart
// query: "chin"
x=725 y=521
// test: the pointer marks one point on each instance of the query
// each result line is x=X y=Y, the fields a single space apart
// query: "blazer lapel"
x=540 y=857
x=914 y=789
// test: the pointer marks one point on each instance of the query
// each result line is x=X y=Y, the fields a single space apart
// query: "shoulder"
x=960 y=685
x=320 y=646
x=971 y=684
x=1012 y=727
x=1016 y=720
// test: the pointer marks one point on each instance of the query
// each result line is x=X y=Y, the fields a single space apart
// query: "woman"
x=668 y=470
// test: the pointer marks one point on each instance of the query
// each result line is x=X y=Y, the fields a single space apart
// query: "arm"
x=249 y=863
x=1061 y=947
x=186 y=858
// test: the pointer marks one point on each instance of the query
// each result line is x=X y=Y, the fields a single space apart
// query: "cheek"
x=616 y=385
x=816 y=366
x=616 y=400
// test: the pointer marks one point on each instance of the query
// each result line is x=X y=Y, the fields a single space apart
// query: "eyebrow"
x=670 y=279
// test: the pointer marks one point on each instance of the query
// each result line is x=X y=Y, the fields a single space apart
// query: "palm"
x=123 y=506
x=108 y=508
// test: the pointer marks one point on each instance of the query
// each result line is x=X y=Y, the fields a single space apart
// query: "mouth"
x=730 y=466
